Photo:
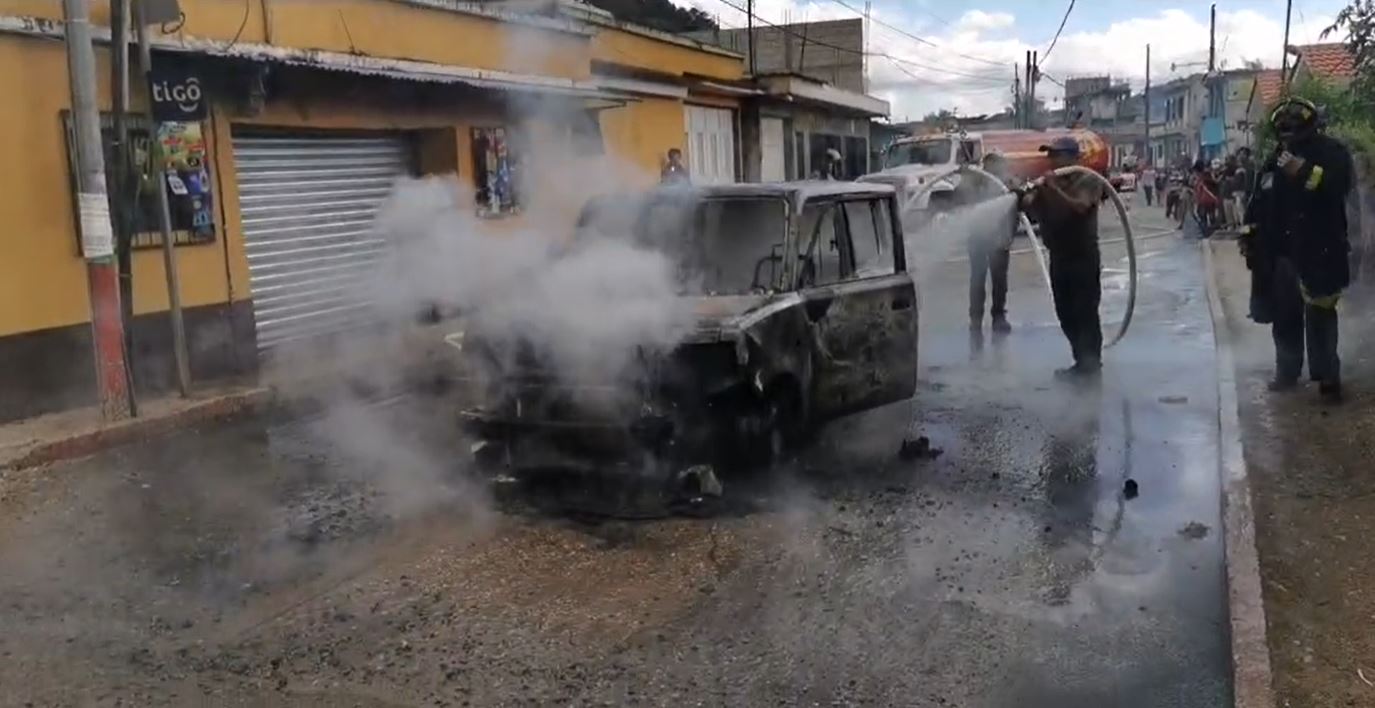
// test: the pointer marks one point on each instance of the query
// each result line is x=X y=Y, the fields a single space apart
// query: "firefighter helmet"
x=1295 y=117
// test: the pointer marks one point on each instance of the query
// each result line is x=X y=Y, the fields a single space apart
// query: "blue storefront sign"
x=1214 y=132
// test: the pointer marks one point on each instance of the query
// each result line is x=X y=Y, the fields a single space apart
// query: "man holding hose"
x=1066 y=207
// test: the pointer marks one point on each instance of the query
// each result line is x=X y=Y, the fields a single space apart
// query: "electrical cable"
x=1056 y=38
x=917 y=38
x=883 y=55
x=247 y=10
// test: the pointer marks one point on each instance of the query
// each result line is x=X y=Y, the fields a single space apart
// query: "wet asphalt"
x=343 y=558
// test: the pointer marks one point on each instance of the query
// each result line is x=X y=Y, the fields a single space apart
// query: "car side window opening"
x=883 y=218
x=871 y=237
x=823 y=254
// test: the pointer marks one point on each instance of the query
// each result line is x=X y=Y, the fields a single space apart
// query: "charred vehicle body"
x=798 y=310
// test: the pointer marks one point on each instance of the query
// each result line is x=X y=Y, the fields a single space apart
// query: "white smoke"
x=587 y=306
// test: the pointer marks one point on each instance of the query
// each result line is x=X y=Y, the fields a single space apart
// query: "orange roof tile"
x=1269 y=85
x=1331 y=60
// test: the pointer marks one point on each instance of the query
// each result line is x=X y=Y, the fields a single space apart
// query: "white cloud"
x=945 y=77
x=978 y=20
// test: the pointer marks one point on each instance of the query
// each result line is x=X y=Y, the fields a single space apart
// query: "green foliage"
x=662 y=15
x=1351 y=111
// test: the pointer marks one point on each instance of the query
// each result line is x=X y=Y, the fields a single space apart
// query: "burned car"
x=800 y=309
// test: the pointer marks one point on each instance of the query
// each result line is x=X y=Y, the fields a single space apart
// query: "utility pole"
x=121 y=182
x=864 y=58
x=1016 y=96
x=749 y=18
x=1150 y=154
x=97 y=234
x=1212 y=38
x=1284 y=61
x=1031 y=88
x=157 y=172
x=1026 y=94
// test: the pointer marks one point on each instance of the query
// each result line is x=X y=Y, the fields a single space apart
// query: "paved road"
x=338 y=560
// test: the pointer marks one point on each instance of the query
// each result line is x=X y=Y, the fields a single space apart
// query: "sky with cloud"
x=966 y=51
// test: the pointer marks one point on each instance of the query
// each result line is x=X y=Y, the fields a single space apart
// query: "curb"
x=1251 y=677
x=89 y=442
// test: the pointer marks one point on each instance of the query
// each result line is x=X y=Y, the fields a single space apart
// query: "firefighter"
x=1066 y=207
x=989 y=255
x=1295 y=243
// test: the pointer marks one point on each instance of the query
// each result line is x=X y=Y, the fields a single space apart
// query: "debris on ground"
x=1173 y=400
x=1130 y=489
x=919 y=448
x=1194 y=531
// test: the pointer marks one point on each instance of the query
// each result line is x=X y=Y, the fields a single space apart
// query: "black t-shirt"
x=1068 y=232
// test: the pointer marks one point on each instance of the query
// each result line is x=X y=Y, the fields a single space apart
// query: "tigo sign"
x=177 y=94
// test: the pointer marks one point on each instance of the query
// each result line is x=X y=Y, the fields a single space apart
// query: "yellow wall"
x=214 y=19
x=629 y=49
x=640 y=135
x=42 y=277
x=373 y=27
x=395 y=30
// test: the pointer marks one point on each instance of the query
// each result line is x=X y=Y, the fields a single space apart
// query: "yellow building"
x=313 y=108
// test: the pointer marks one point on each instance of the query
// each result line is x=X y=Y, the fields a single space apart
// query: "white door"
x=774 y=167
x=711 y=144
x=307 y=203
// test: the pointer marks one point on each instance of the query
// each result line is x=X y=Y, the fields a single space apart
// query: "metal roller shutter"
x=307 y=204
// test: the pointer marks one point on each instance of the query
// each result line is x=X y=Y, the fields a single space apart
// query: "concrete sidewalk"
x=80 y=432
x=373 y=365
x=1313 y=488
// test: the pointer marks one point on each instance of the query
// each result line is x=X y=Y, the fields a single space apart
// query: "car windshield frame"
x=908 y=148
x=687 y=244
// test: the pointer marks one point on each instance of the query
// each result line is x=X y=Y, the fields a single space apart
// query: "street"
x=342 y=558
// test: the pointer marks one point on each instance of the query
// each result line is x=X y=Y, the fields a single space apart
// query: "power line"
x=952 y=87
x=1063 y=20
x=883 y=55
x=922 y=40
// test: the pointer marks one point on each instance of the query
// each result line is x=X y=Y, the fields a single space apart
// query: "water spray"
x=1036 y=242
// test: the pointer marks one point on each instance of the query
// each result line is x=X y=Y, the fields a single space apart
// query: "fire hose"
x=1036 y=242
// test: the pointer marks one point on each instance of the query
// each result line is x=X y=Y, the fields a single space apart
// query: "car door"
x=864 y=318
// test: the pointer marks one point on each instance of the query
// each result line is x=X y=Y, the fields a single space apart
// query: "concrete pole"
x=1284 y=60
x=1212 y=38
x=1150 y=154
x=97 y=233
x=121 y=176
x=157 y=171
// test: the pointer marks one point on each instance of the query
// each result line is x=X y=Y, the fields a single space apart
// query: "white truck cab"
x=911 y=164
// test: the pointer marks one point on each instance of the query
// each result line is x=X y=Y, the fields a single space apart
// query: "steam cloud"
x=586 y=306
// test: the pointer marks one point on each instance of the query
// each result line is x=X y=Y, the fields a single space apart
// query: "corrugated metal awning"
x=402 y=69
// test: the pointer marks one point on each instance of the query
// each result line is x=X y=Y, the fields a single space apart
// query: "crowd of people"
x=1213 y=194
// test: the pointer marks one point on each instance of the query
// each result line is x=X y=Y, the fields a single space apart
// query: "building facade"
x=313 y=109
x=1176 y=133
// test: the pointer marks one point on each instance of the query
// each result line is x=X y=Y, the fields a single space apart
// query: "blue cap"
x=1063 y=144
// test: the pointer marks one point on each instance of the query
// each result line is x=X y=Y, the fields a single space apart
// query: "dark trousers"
x=1150 y=194
x=987 y=263
x=1076 y=282
x=1297 y=323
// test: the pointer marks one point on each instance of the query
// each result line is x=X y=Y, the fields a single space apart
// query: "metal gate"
x=307 y=204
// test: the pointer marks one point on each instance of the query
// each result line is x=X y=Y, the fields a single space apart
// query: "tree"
x=944 y=115
x=659 y=14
